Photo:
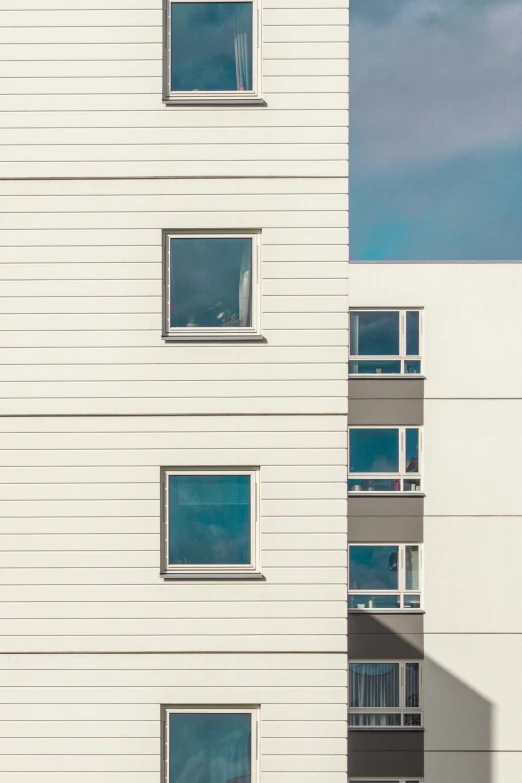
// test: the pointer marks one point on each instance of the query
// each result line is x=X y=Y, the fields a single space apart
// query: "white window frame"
x=401 y=476
x=224 y=570
x=220 y=333
x=402 y=710
x=386 y=780
x=401 y=356
x=253 y=96
x=401 y=592
x=253 y=711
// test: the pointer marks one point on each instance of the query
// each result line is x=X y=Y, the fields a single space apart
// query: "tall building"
x=174 y=391
x=258 y=507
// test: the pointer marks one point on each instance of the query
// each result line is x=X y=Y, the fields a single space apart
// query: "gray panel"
x=393 y=519
x=386 y=389
x=385 y=754
x=386 y=401
x=385 y=636
x=386 y=412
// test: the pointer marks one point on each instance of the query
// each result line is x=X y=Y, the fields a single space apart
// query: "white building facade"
x=133 y=400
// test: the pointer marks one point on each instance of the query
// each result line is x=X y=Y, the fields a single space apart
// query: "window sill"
x=251 y=337
x=388 y=377
x=385 y=728
x=386 y=611
x=208 y=101
x=225 y=576
x=373 y=494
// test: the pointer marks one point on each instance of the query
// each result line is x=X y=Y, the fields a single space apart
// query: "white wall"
x=472 y=537
x=92 y=717
x=93 y=402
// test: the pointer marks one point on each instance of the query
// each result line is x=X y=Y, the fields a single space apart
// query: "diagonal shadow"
x=456 y=743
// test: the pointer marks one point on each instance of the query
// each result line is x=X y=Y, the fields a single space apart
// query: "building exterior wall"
x=472 y=508
x=93 y=403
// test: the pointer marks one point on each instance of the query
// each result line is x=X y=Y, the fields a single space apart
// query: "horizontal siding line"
x=138 y=415
x=135 y=516
x=172 y=144
x=166 y=177
x=172 y=653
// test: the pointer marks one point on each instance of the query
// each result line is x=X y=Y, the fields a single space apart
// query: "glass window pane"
x=211 y=47
x=373 y=601
x=374 y=568
x=375 y=367
x=374 y=485
x=210 y=282
x=214 y=748
x=412 y=568
x=374 y=685
x=209 y=520
x=412 y=451
x=412 y=367
x=412 y=333
x=413 y=719
x=374 y=333
x=412 y=485
x=374 y=451
x=412 y=685
x=372 y=719
x=412 y=601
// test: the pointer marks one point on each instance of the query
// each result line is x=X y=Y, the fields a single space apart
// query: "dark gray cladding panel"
x=376 y=753
x=385 y=636
x=385 y=519
x=373 y=401
x=376 y=388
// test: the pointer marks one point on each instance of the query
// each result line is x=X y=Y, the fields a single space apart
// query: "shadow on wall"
x=456 y=744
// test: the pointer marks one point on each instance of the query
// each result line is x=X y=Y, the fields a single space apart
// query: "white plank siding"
x=86 y=522
x=54 y=246
x=96 y=59
x=93 y=402
x=89 y=716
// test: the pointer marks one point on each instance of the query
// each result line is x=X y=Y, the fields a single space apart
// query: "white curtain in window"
x=245 y=287
x=374 y=685
x=241 y=51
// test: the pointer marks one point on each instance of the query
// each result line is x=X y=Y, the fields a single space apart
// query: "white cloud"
x=441 y=77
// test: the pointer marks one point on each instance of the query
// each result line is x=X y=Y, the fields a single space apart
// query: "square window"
x=384 y=576
x=211 y=286
x=384 y=459
x=218 y=745
x=212 y=51
x=385 y=342
x=385 y=694
x=211 y=522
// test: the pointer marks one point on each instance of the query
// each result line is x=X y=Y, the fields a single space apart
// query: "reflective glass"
x=210 y=282
x=374 y=568
x=375 y=367
x=412 y=451
x=412 y=685
x=374 y=719
x=412 y=367
x=211 y=748
x=209 y=520
x=374 y=333
x=412 y=333
x=374 y=450
x=374 y=485
x=211 y=47
x=412 y=567
x=412 y=485
x=369 y=601
x=412 y=602
x=374 y=685
x=413 y=719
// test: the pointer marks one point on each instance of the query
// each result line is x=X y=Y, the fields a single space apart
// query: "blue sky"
x=436 y=130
